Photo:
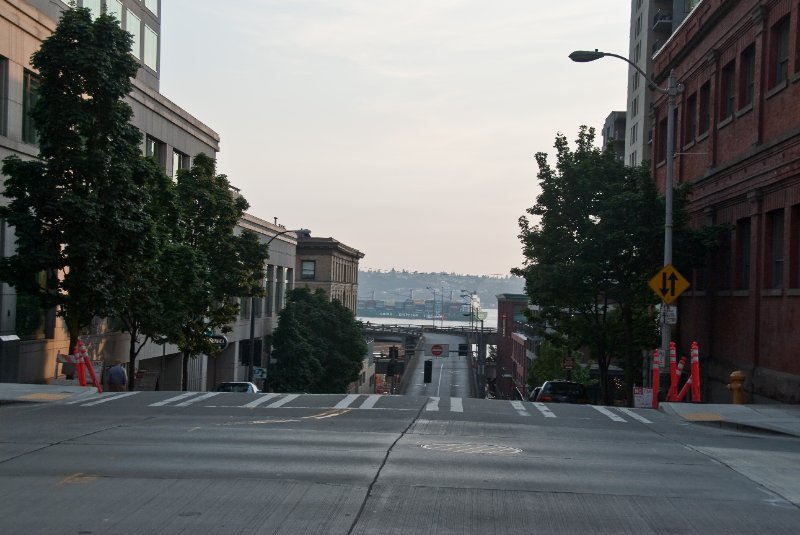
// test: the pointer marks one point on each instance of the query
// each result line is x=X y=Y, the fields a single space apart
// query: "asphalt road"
x=207 y=463
x=451 y=377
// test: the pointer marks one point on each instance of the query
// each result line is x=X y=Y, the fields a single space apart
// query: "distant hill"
x=400 y=285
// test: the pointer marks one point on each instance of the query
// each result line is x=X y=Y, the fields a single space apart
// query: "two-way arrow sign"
x=668 y=284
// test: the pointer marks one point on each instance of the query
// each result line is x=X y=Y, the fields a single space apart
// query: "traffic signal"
x=428 y=371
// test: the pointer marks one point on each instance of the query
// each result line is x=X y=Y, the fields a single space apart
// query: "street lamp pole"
x=251 y=349
x=671 y=91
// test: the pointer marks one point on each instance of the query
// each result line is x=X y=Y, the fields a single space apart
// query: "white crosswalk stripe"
x=350 y=398
x=370 y=401
x=284 y=401
x=262 y=399
x=456 y=405
x=433 y=404
x=108 y=398
x=541 y=407
x=198 y=398
x=606 y=412
x=635 y=416
x=170 y=400
x=520 y=408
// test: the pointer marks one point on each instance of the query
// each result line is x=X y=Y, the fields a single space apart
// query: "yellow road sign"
x=668 y=284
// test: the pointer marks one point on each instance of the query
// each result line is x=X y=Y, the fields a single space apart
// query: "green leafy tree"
x=549 y=365
x=594 y=243
x=227 y=264
x=318 y=345
x=80 y=212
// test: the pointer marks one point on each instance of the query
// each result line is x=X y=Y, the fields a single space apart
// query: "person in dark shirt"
x=117 y=377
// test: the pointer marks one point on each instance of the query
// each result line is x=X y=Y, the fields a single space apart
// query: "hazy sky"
x=403 y=128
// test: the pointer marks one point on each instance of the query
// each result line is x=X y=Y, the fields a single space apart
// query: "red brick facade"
x=738 y=143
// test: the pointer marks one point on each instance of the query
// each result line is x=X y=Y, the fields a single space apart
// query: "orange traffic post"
x=673 y=373
x=94 y=376
x=695 y=373
x=656 y=363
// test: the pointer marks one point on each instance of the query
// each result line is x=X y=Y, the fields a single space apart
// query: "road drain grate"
x=485 y=449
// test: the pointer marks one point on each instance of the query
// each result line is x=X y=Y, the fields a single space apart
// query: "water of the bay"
x=489 y=322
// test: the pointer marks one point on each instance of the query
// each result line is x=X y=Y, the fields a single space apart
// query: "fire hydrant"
x=736 y=387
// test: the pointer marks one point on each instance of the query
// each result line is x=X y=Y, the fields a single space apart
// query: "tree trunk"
x=132 y=361
x=627 y=318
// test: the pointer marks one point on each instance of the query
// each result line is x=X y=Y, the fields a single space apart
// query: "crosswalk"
x=372 y=401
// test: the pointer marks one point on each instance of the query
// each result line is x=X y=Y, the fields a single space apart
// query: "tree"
x=79 y=212
x=318 y=345
x=588 y=257
x=227 y=265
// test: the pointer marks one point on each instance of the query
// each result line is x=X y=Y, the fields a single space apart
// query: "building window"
x=747 y=76
x=134 y=27
x=726 y=97
x=661 y=147
x=635 y=80
x=704 y=115
x=725 y=261
x=156 y=149
x=30 y=94
x=180 y=161
x=269 y=292
x=244 y=307
x=775 y=229
x=690 y=119
x=308 y=269
x=114 y=7
x=634 y=133
x=779 y=53
x=152 y=5
x=3 y=96
x=743 y=253
x=150 y=48
x=794 y=247
x=635 y=107
x=93 y=6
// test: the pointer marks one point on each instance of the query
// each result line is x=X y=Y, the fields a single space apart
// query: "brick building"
x=738 y=143
x=515 y=346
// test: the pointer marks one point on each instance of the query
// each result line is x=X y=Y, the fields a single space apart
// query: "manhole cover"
x=486 y=449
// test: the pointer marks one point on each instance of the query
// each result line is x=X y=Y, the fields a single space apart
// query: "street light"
x=671 y=91
x=251 y=349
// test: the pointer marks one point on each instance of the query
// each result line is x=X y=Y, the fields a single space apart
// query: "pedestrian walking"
x=117 y=377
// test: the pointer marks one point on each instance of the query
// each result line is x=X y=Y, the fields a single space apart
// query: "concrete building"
x=327 y=264
x=738 y=144
x=614 y=134
x=652 y=23
x=170 y=134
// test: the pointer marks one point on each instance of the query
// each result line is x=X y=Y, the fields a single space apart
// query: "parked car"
x=237 y=386
x=562 y=392
x=534 y=393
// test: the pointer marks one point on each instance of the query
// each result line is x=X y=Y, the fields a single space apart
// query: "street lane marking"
x=370 y=401
x=263 y=399
x=456 y=405
x=634 y=415
x=606 y=412
x=519 y=408
x=284 y=401
x=78 y=477
x=198 y=398
x=346 y=401
x=433 y=404
x=170 y=400
x=328 y=414
x=110 y=398
x=543 y=409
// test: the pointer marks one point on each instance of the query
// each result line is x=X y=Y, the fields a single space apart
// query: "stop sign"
x=436 y=350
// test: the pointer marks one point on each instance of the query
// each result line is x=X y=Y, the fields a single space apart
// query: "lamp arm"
x=650 y=82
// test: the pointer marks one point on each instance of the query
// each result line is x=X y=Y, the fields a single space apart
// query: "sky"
x=406 y=129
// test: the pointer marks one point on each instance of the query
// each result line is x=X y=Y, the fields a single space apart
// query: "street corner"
x=34 y=393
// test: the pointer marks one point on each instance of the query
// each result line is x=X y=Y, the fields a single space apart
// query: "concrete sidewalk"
x=776 y=419
x=31 y=393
